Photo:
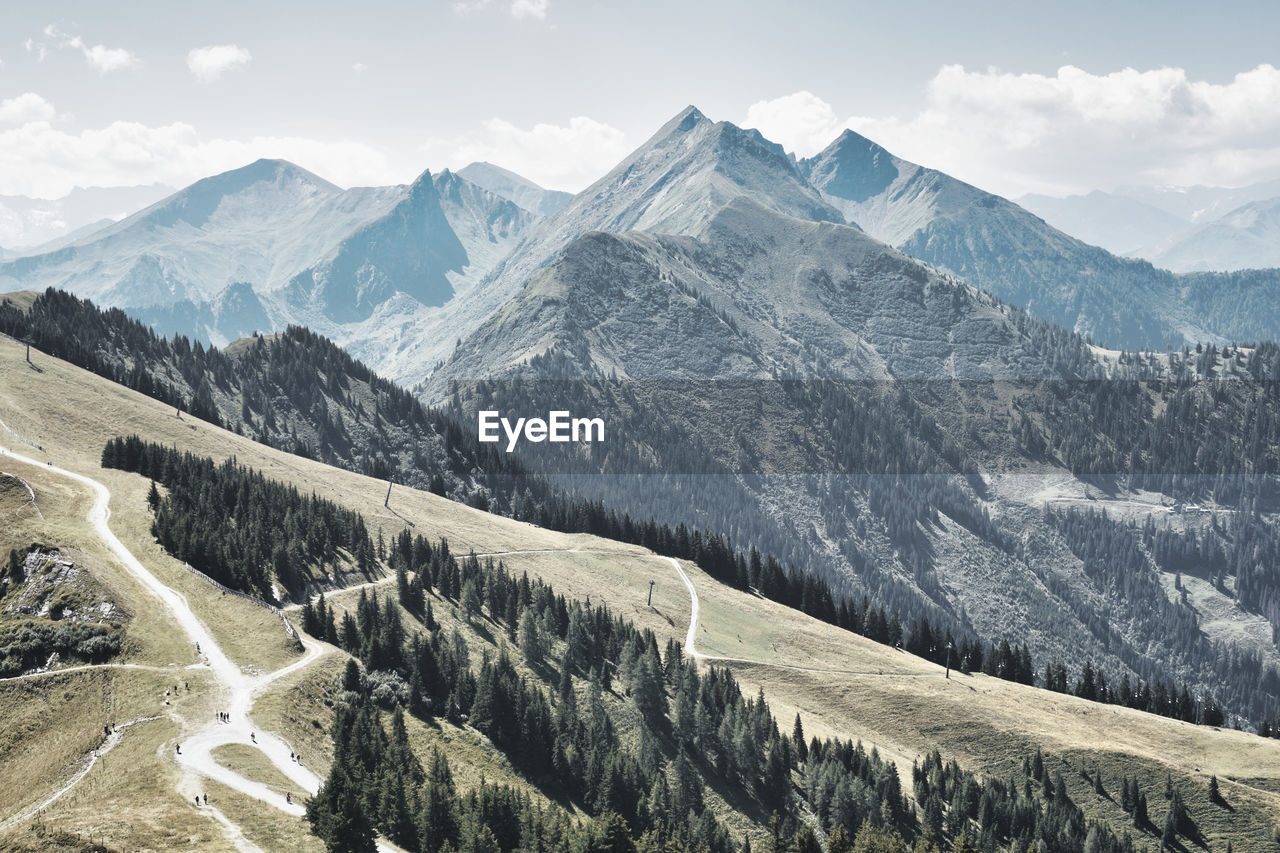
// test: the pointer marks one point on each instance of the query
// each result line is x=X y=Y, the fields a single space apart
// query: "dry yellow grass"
x=252 y=764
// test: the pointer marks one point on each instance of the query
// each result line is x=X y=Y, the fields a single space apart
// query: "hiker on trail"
x=178 y=747
x=288 y=797
x=197 y=648
x=206 y=799
x=291 y=756
x=197 y=799
x=253 y=737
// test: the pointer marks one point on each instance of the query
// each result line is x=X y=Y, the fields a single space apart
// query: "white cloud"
x=25 y=108
x=359 y=68
x=100 y=58
x=529 y=9
x=565 y=157
x=517 y=8
x=106 y=59
x=40 y=160
x=802 y=123
x=211 y=62
x=1069 y=132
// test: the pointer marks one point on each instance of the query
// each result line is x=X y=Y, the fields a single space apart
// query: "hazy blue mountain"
x=1183 y=229
x=261 y=224
x=270 y=244
x=1115 y=222
x=1245 y=238
x=524 y=192
x=28 y=224
x=408 y=249
x=1200 y=204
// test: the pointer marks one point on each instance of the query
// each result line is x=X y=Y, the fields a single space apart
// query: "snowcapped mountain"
x=522 y=191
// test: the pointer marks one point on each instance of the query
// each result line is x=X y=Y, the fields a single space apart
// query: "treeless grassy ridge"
x=841 y=684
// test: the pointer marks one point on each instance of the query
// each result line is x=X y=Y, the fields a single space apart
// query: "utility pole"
x=28 y=343
x=387 y=501
x=948 y=660
x=650 y=602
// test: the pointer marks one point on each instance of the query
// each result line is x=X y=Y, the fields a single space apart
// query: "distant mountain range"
x=1184 y=229
x=400 y=274
x=525 y=193
x=34 y=225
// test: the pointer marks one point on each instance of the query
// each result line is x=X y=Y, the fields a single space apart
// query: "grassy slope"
x=861 y=690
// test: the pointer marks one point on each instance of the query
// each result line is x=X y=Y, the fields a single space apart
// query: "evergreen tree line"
x=1173 y=427
x=238 y=527
x=295 y=391
x=696 y=724
x=1039 y=814
x=557 y=726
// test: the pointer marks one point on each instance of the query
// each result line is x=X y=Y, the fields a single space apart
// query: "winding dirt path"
x=239 y=689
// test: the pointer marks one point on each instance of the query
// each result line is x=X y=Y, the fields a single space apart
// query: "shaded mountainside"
x=409 y=249
x=998 y=246
x=882 y=425
x=295 y=391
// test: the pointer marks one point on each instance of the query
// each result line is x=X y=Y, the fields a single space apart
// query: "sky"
x=1015 y=97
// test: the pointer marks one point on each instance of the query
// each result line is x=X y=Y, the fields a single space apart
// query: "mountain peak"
x=483 y=172
x=852 y=167
x=517 y=189
x=684 y=121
